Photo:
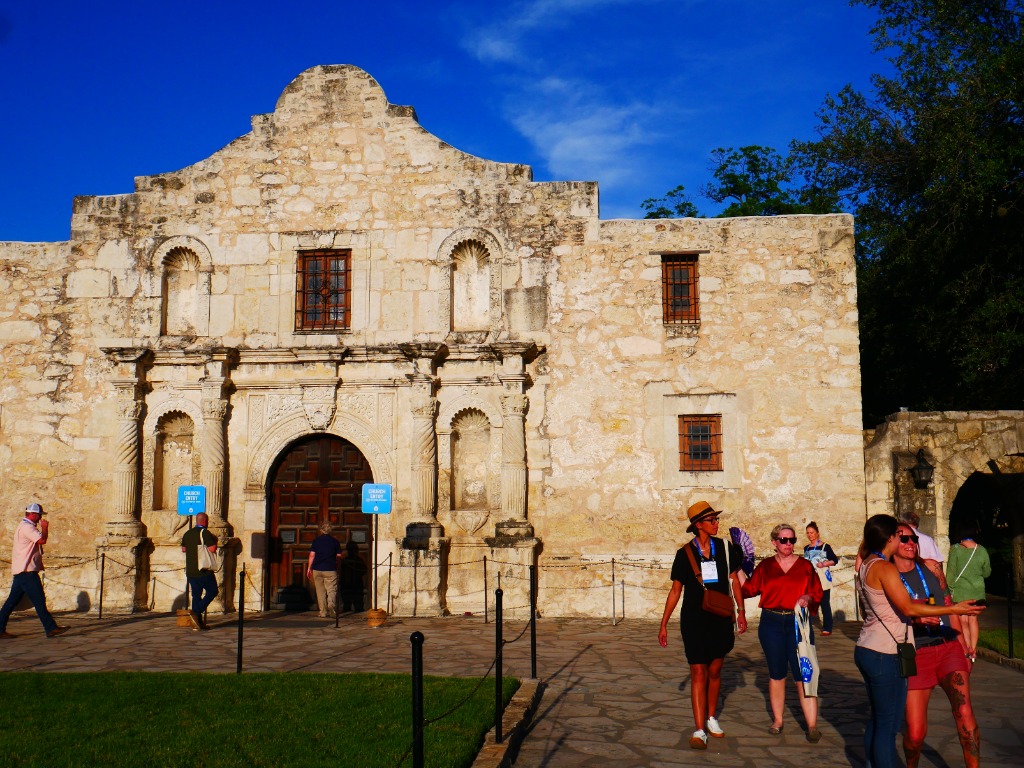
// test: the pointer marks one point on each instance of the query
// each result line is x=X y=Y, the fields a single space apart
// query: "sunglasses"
x=786 y=540
x=710 y=519
x=904 y=539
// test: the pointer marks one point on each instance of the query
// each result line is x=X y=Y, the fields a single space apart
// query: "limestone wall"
x=776 y=350
x=94 y=333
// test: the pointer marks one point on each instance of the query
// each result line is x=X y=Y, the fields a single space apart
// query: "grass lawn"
x=199 y=720
x=996 y=640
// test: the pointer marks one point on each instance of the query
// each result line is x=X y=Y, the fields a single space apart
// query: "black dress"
x=706 y=637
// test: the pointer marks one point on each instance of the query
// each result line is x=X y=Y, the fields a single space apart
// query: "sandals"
x=775 y=730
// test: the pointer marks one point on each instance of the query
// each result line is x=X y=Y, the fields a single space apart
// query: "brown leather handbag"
x=714 y=601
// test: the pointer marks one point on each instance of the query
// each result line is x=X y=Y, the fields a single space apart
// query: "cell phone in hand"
x=981 y=602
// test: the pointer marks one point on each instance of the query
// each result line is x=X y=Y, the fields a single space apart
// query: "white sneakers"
x=699 y=740
x=714 y=728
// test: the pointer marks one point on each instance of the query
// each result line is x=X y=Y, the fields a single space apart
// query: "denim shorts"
x=777 y=633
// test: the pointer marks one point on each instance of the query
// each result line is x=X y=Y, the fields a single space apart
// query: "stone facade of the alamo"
x=339 y=297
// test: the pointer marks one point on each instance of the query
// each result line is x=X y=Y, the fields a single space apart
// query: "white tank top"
x=883 y=624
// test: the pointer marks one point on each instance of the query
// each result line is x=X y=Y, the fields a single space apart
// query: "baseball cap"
x=33 y=507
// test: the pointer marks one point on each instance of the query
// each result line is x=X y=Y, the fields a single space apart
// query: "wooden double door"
x=318 y=479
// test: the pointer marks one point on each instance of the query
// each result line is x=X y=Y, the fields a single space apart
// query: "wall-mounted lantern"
x=922 y=471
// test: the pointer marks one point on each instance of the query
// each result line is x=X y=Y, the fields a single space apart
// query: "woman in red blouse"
x=784 y=582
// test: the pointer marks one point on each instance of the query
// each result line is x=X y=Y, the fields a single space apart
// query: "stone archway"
x=974 y=450
x=317 y=479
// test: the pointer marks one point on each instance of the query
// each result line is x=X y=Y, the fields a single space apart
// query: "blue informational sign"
x=377 y=499
x=191 y=499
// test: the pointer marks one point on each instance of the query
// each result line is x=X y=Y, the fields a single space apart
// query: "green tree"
x=761 y=182
x=676 y=204
x=932 y=164
x=755 y=181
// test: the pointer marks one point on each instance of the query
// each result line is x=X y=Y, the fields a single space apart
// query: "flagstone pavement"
x=611 y=696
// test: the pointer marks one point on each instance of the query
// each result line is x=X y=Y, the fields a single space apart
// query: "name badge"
x=709 y=571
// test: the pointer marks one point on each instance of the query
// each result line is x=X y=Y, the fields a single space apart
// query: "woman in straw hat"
x=703 y=564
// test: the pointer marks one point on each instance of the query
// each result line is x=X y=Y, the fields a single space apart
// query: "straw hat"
x=699 y=511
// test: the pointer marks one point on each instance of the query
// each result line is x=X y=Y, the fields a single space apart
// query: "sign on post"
x=377 y=499
x=191 y=499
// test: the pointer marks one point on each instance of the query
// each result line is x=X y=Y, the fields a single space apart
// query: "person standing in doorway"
x=26 y=565
x=707 y=637
x=353 y=571
x=202 y=581
x=322 y=570
x=822 y=558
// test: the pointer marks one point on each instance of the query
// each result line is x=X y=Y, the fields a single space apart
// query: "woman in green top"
x=966 y=570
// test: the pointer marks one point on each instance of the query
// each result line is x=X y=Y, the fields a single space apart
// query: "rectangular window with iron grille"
x=679 y=288
x=700 y=443
x=323 y=291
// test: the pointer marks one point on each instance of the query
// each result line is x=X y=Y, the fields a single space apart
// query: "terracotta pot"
x=375 y=617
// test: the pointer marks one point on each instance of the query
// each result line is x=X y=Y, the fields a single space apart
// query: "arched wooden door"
x=318 y=479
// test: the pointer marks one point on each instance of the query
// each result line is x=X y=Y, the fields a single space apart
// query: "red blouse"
x=779 y=590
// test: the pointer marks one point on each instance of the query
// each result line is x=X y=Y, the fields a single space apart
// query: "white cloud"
x=502 y=41
x=579 y=134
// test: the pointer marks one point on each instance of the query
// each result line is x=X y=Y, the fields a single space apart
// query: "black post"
x=498 y=643
x=533 y=621
x=103 y=565
x=374 y=586
x=485 y=589
x=613 y=591
x=416 y=638
x=1009 y=613
x=241 y=613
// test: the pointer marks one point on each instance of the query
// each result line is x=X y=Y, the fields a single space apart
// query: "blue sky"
x=633 y=94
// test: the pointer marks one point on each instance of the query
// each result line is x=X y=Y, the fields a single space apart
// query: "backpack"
x=742 y=540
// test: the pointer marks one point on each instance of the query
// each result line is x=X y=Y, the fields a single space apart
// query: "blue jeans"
x=27 y=583
x=204 y=590
x=887 y=694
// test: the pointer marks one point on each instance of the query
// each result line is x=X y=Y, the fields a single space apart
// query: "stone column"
x=213 y=463
x=124 y=543
x=514 y=404
x=423 y=445
x=419 y=586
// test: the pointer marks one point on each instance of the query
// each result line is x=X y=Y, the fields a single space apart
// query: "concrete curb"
x=1003 y=661
x=514 y=723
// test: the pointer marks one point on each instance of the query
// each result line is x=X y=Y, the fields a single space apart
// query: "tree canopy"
x=931 y=162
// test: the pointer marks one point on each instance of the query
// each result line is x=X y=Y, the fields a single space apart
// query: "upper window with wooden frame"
x=700 y=443
x=679 y=288
x=323 y=291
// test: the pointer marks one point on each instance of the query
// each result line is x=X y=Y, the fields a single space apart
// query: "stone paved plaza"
x=613 y=697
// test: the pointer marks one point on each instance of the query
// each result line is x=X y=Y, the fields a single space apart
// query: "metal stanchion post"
x=241 y=613
x=498 y=642
x=533 y=621
x=1009 y=614
x=485 y=589
x=613 y=591
x=103 y=565
x=416 y=638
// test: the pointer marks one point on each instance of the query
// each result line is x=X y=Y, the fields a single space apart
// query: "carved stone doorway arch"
x=316 y=479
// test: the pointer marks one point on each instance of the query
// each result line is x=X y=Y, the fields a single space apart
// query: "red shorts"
x=934 y=662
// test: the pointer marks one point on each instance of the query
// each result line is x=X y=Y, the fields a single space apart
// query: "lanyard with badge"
x=708 y=567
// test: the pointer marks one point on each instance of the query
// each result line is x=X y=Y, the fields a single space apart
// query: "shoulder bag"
x=714 y=601
x=806 y=652
x=208 y=561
